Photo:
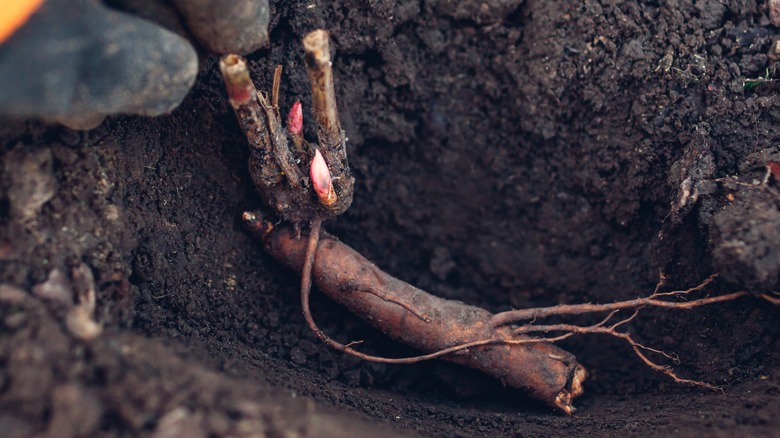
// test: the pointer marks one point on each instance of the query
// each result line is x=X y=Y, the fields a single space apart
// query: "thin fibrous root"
x=601 y=328
x=772 y=299
x=242 y=96
x=514 y=316
x=276 y=84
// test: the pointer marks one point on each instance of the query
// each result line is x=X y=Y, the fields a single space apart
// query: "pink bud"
x=321 y=181
x=295 y=119
x=774 y=167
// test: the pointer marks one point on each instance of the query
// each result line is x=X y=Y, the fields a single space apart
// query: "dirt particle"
x=56 y=288
x=180 y=422
x=32 y=181
x=774 y=12
x=76 y=411
x=711 y=13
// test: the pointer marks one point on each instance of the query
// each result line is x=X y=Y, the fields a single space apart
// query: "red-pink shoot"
x=321 y=180
x=295 y=119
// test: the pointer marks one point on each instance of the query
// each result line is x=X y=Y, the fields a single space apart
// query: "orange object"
x=14 y=13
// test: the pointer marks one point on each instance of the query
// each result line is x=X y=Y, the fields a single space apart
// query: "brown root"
x=514 y=316
x=311 y=246
x=460 y=333
x=448 y=329
x=601 y=328
x=773 y=298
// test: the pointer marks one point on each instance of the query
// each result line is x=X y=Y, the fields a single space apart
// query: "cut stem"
x=242 y=95
x=331 y=138
x=318 y=64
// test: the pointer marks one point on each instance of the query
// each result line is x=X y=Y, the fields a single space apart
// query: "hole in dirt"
x=479 y=150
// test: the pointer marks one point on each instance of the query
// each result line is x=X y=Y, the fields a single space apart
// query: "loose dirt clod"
x=80 y=318
x=32 y=183
x=774 y=12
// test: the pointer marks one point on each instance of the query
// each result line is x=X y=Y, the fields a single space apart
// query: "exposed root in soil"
x=306 y=284
x=774 y=298
x=509 y=317
x=513 y=316
x=449 y=329
x=600 y=328
x=455 y=331
x=311 y=247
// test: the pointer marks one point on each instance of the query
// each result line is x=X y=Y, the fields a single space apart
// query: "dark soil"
x=506 y=154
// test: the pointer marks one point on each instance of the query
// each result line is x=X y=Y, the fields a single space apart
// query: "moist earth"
x=506 y=154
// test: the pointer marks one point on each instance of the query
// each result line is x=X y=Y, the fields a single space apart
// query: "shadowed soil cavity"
x=507 y=154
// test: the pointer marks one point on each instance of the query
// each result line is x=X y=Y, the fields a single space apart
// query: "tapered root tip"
x=317 y=48
x=576 y=382
x=564 y=399
x=237 y=81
